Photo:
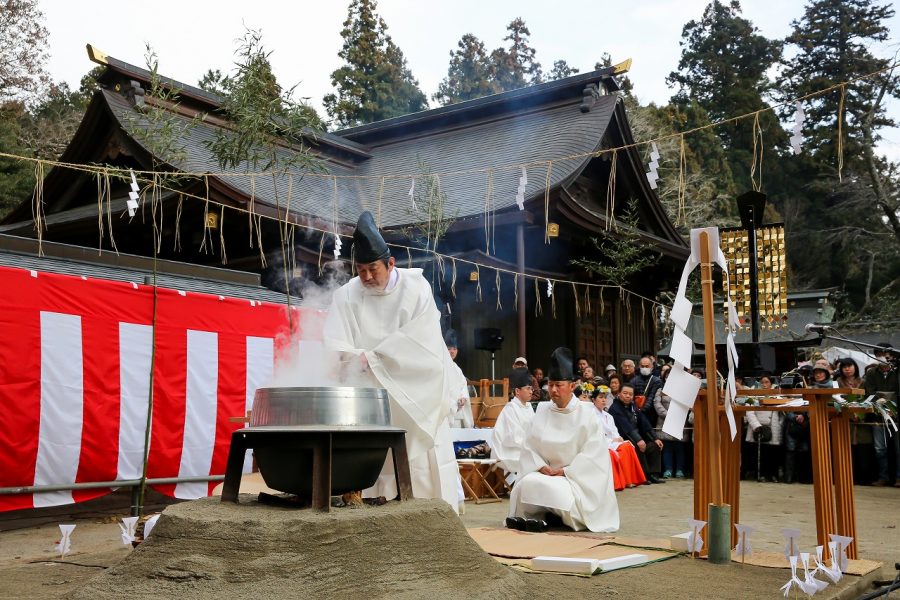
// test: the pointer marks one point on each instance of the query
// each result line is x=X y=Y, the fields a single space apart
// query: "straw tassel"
x=497 y=283
x=538 y=309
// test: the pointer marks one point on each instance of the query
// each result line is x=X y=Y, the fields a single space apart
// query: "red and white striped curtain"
x=75 y=363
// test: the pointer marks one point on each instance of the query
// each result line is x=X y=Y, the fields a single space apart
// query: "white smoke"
x=303 y=360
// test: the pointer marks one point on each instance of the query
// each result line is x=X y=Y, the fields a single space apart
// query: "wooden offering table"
x=829 y=445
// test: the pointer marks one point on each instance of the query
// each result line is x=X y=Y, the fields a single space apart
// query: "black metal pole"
x=754 y=279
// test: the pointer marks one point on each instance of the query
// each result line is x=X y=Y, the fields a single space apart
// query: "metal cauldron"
x=320 y=409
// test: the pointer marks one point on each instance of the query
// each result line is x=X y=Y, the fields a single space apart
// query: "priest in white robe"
x=565 y=464
x=512 y=424
x=386 y=328
x=460 y=401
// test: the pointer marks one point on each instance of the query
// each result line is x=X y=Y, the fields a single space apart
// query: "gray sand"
x=211 y=549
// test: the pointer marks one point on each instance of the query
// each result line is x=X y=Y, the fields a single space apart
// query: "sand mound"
x=210 y=549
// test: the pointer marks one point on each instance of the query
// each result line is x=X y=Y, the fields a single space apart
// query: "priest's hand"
x=460 y=403
x=642 y=446
x=550 y=471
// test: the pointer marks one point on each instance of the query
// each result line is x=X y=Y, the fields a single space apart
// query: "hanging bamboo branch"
x=611 y=193
x=547 y=202
x=575 y=295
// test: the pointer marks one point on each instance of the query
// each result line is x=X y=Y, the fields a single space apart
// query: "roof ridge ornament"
x=590 y=94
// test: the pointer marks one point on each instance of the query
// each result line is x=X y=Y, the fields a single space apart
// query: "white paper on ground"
x=562 y=564
x=128 y=526
x=64 y=546
x=149 y=525
x=743 y=546
x=790 y=538
x=695 y=542
x=842 y=542
x=681 y=542
x=786 y=588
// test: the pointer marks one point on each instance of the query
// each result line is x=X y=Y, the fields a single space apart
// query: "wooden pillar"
x=731 y=476
x=712 y=397
x=520 y=266
x=820 y=449
x=845 y=505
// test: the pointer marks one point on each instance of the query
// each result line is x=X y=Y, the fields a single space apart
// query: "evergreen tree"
x=516 y=66
x=832 y=42
x=723 y=66
x=470 y=74
x=561 y=70
x=214 y=81
x=375 y=82
x=852 y=219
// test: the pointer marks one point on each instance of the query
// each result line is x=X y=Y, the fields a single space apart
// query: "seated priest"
x=564 y=466
x=626 y=466
x=634 y=427
x=513 y=423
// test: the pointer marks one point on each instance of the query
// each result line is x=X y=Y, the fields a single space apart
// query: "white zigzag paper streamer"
x=337 y=246
x=520 y=192
x=412 y=195
x=133 y=196
x=653 y=174
x=797 y=137
x=549 y=288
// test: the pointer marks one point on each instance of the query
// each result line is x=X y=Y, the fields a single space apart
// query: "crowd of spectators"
x=775 y=444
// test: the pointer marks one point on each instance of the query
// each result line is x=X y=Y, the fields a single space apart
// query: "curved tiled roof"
x=533 y=136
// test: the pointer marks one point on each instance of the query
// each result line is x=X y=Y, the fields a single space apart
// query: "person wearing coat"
x=634 y=427
x=764 y=431
x=673 y=456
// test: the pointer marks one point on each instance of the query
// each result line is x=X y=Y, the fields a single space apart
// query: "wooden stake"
x=712 y=399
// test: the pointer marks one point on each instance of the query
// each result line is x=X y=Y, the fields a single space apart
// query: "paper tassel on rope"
x=412 y=195
x=797 y=137
x=128 y=526
x=790 y=541
x=653 y=173
x=743 y=548
x=793 y=581
x=695 y=542
x=337 y=246
x=64 y=545
x=549 y=289
x=132 y=203
x=520 y=192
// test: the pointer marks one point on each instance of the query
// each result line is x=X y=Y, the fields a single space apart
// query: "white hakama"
x=571 y=439
x=398 y=331
x=509 y=436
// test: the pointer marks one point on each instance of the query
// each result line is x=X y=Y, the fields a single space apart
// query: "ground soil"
x=29 y=568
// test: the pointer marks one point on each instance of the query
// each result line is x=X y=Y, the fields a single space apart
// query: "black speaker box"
x=488 y=338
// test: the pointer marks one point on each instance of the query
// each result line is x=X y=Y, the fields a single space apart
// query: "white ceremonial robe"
x=462 y=416
x=509 y=436
x=398 y=330
x=571 y=439
x=608 y=424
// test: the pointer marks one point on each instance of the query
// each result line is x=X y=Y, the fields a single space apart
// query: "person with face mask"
x=646 y=384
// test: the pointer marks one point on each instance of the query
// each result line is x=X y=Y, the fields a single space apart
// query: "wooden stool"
x=474 y=466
